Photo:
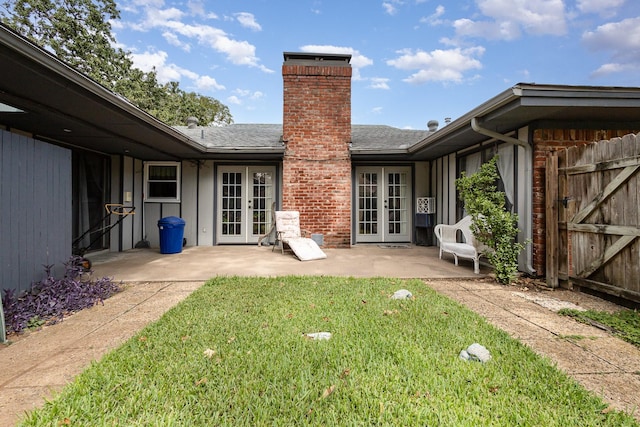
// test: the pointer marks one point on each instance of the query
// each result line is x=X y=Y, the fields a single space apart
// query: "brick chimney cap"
x=310 y=58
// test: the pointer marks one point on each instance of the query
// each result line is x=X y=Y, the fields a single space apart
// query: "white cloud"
x=149 y=60
x=612 y=68
x=241 y=95
x=438 y=65
x=600 y=7
x=208 y=83
x=487 y=29
x=379 y=83
x=173 y=40
x=198 y=8
x=617 y=36
x=358 y=60
x=157 y=61
x=390 y=7
x=247 y=20
x=238 y=52
x=157 y=17
x=434 y=18
x=508 y=18
x=150 y=3
x=622 y=40
x=242 y=92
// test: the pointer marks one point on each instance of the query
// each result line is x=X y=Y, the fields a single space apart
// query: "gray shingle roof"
x=379 y=137
x=269 y=136
x=236 y=136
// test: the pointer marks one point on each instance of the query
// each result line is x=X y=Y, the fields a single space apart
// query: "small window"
x=162 y=181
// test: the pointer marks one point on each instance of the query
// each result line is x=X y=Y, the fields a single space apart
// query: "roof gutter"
x=487 y=107
x=235 y=150
x=475 y=125
x=389 y=151
x=40 y=56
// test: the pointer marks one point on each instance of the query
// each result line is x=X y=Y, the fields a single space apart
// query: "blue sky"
x=413 y=60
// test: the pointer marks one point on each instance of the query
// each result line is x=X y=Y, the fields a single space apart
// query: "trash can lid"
x=171 y=220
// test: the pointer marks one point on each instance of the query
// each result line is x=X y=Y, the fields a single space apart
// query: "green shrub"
x=493 y=226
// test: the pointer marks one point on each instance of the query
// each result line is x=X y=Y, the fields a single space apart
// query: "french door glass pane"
x=262 y=197
x=397 y=215
x=231 y=203
x=368 y=203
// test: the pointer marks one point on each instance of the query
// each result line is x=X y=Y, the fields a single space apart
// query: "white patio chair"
x=448 y=239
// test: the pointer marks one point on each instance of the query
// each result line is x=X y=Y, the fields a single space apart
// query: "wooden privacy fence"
x=593 y=217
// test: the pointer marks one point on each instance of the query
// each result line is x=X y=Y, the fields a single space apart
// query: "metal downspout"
x=528 y=184
x=3 y=328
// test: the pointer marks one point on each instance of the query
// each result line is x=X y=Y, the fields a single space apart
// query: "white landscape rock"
x=319 y=335
x=401 y=294
x=476 y=352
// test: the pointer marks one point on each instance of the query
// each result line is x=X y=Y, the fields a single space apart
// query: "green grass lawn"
x=234 y=354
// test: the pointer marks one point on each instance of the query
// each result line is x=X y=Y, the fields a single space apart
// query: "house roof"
x=60 y=105
x=238 y=140
x=366 y=140
x=377 y=138
x=64 y=106
x=539 y=107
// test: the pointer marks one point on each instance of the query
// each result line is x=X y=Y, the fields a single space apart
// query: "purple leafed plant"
x=50 y=299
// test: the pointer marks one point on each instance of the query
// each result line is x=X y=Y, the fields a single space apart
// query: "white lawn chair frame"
x=448 y=239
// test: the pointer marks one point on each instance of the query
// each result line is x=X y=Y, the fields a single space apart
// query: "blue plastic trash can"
x=171 y=233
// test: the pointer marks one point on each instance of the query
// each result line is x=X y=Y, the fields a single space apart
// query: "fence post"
x=551 y=216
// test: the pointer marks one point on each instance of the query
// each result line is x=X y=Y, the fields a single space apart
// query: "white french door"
x=383 y=204
x=245 y=197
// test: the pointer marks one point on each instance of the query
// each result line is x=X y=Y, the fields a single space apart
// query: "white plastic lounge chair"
x=288 y=233
x=448 y=238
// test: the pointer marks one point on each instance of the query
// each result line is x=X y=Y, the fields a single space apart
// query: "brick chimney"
x=317 y=132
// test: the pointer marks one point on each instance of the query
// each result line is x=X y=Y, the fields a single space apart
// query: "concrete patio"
x=204 y=262
x=39 y=364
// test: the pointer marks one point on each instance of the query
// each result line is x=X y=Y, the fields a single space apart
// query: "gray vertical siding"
x=206 y=229
x=35 y=209
x=127 y=224
x=138 y=219
x=116 y=189
x=189 y=201
x=126 y=179
x=153 y=213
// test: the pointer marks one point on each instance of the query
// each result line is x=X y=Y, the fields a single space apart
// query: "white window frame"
x=148 y=182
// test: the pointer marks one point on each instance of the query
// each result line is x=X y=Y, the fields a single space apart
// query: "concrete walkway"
x=41 y=363
x=603 y=364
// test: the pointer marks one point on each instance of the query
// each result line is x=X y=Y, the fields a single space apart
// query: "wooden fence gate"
x=593 y=217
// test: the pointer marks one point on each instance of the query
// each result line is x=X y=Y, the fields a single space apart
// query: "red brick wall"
x=316 y=164
x=544 y=141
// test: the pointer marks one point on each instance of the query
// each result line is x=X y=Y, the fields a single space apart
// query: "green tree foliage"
x=79 y=33
x=178 y=105
x=76 y=31
x=493 y=225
